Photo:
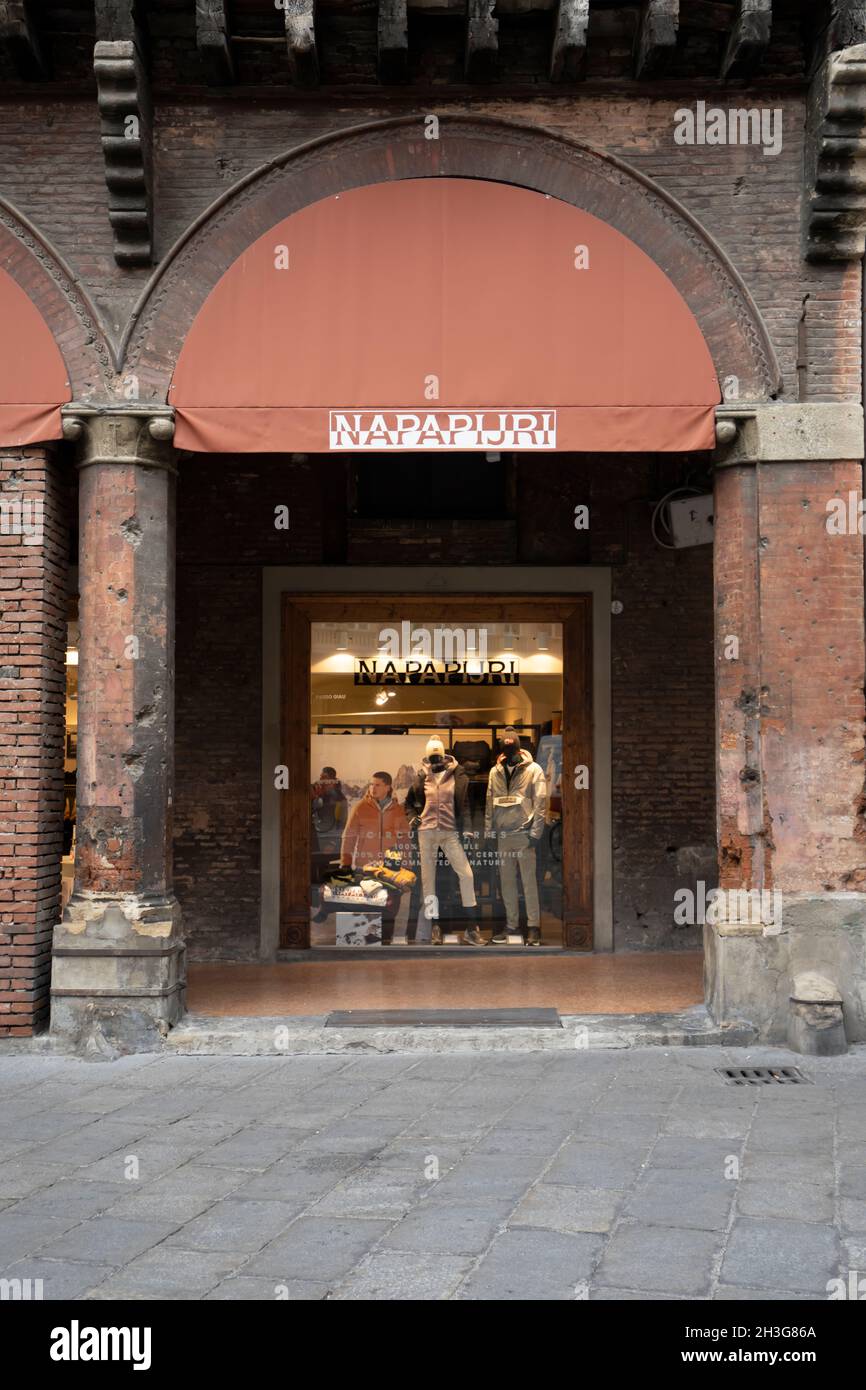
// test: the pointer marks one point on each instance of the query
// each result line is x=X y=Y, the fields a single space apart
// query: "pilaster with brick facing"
x=790 y=728
x=33 y=604
x=118 y=953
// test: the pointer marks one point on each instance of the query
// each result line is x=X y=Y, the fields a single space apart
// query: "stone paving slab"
x=396 y=1275
x=169 y=1274
x=556 y=1207
x=243 y=1287
x=534 y=1265
x=105 y=1239
x=791 y=1255
x=660 y=1259
x=318 y=1248
x=61 y=1279
x=624 y=1173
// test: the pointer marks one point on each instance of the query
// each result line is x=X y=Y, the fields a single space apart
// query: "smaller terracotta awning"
x=33 y=378
x=444 y=314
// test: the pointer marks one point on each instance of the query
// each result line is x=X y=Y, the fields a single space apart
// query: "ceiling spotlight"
x=542 y=639
x=508 y=638
x=342 y=641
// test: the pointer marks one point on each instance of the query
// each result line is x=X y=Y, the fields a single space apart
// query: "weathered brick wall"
x=792 y=795
x=663 y=735
x=226 y=533
x=33 y=607
x=218 y=758
x=53 y=171
x=661 y=674
x=811 y=663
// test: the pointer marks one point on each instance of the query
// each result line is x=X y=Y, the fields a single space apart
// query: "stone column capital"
x=110 y=435
x=796 y=432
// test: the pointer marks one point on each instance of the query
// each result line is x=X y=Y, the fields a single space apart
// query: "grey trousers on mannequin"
x=429 y=841
x=519 y=850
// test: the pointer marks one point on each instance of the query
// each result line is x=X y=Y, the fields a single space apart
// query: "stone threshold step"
x=252 y=1037
x=204 y=1035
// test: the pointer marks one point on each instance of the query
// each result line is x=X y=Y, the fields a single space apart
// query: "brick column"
x=118 y=953
x=790 y=748
x=33 y=599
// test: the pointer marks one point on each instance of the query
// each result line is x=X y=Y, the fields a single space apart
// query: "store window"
x=435 y=800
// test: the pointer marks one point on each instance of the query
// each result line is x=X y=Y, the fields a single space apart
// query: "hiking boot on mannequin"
x=471 y=932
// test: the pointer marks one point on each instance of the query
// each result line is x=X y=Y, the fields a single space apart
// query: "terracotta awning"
x=444 y=313
x=33 y=378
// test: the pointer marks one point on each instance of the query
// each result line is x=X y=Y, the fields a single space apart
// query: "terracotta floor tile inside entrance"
x=625 y=984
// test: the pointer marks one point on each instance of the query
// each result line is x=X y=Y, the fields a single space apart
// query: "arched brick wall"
x=465 y=148
x=51 y=286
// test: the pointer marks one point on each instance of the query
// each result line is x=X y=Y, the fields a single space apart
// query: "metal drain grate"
x=764 y=1076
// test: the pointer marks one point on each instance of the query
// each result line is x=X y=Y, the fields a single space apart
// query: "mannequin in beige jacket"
x=514 y=817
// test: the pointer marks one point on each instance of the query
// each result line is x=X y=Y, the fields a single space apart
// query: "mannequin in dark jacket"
x=436 y=804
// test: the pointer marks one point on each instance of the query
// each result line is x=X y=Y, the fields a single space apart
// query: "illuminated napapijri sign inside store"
x=438 y=656
x=441 y=429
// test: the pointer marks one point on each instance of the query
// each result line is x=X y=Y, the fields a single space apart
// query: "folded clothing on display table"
x=368 y=893
x=400 y=879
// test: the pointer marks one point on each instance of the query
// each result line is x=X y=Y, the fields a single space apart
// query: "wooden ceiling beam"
x=847 y=24
x=213 y=41
x=482 y=41
x=749 y=38
x=656 y=37
x=568 y=53
x=301 y=39
x=18 y=35
x=393 y=28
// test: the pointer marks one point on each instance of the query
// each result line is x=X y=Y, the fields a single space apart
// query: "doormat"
x=444 y=1018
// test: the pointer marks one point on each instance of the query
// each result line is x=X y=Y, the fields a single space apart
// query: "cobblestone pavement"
x=609 y=1174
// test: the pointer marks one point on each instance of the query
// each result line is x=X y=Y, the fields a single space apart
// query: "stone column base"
x=118 y=976
x=750 y=970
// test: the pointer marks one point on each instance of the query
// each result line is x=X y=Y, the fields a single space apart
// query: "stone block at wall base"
x=118 y=973
x=750 y=970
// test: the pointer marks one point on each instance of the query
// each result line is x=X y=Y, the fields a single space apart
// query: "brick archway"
x=500 y=151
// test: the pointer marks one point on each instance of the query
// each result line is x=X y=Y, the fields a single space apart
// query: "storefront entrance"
x=437 y=756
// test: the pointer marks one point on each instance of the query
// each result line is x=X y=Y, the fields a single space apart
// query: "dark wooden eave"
x=19 y=36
